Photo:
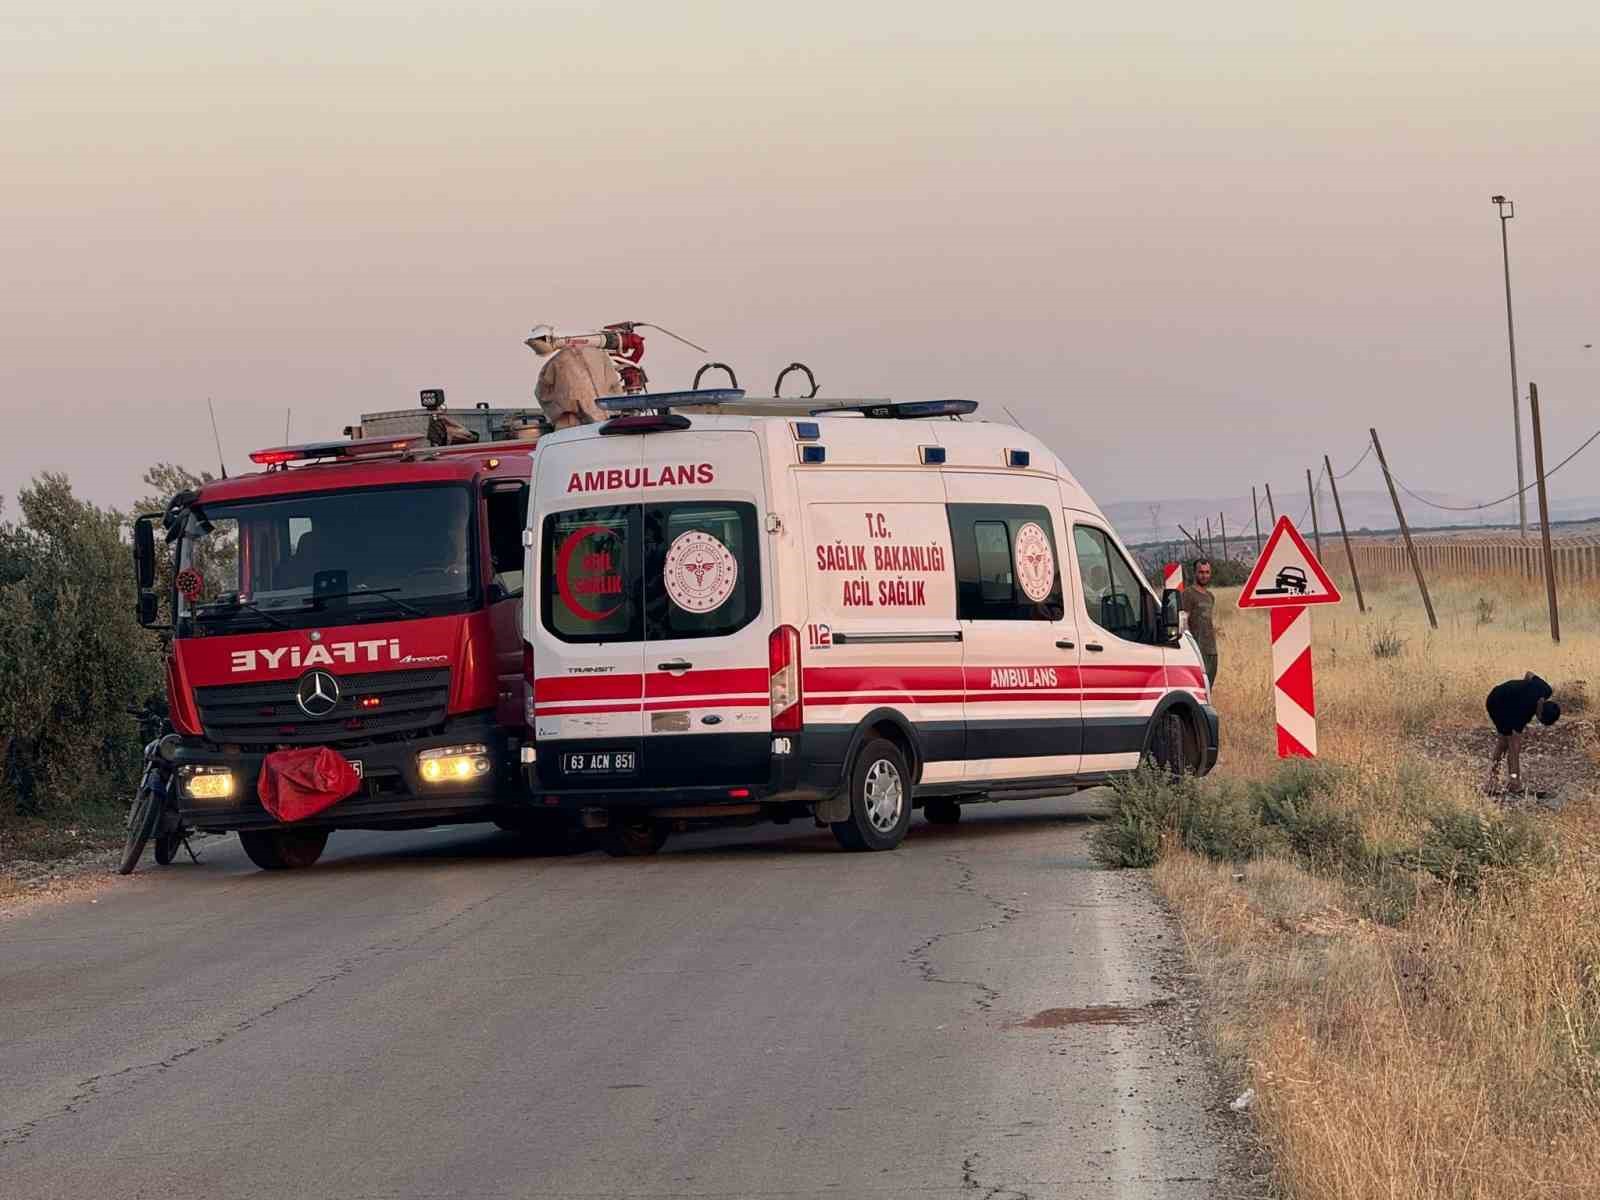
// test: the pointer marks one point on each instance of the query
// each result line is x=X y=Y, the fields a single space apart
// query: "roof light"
x=1017 y=458
x=806 y=431
x=356 y=448
x=432 y=398
x=645 y=423
x=931 y=455
x=646 y=401
x=813 y=454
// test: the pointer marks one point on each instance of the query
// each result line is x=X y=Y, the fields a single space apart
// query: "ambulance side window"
x=1112 y=595
x=1007 y=565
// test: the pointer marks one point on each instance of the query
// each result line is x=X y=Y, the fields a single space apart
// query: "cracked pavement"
x=752 y=1013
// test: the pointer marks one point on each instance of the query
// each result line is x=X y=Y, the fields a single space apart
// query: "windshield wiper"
x=316 y=602
x=228 y=605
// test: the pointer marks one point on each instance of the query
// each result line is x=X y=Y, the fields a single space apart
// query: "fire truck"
x=361 y=595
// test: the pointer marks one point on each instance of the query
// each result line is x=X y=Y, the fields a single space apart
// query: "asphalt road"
x=752 y=1013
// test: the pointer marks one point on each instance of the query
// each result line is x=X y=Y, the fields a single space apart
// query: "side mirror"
x=144 y=553
x=1171 y=616
x=149 y=608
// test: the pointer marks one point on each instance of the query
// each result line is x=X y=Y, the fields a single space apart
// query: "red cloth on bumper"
x=296 y=784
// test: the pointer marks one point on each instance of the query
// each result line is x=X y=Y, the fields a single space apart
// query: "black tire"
x=167 y=846
x=142 y=820
x=941 y=812
x=633 y=839
x=1166 y=751
x=283 y=849
x=880 y=799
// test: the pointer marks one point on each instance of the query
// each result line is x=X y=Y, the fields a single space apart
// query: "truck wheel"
x=283 y=849
x=880 y=799
x=633 y=839
x=1165 y=752
x=941 y=812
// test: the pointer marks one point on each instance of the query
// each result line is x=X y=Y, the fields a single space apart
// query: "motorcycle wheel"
x=142 y=819
x=167 y=847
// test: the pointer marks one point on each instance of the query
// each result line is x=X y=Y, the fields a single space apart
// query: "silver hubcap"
x=885 y=795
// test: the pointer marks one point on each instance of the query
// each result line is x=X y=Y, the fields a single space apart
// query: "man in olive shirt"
x=1200 y=603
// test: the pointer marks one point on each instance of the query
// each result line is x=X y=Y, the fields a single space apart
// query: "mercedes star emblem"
x=318 y=693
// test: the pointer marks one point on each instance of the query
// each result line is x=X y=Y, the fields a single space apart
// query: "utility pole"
x=1255 y=515
x=1223 y=518
x=1211 y=539
x=1311 y=492
x=1272 y=510
x=1508 y=210
x=1544 y=514
x=1344 y=532
x=1405 y=532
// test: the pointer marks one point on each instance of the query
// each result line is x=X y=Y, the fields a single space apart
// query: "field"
x=1406 y=970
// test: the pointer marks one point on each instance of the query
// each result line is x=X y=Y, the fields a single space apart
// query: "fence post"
x=1222 y=519
x=1311 y=494
x=1405 y=531
x=1271 y=509
x=1338 y=508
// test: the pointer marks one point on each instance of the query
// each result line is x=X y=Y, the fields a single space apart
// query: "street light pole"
x=1508 y=210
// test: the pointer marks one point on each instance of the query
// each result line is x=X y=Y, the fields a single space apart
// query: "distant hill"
x=1157 y=520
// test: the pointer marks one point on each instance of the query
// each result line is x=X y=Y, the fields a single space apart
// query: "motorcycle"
x=152 y=815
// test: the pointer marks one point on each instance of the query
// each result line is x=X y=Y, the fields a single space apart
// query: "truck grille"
x=269 y=714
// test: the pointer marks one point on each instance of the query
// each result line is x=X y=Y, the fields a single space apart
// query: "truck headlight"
x=206 y=783
x=453 y=764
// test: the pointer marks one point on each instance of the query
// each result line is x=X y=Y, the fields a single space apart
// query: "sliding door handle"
x=1063 y=644
x=1095 y=646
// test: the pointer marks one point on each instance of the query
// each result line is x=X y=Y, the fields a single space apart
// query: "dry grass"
x=1455 y=1052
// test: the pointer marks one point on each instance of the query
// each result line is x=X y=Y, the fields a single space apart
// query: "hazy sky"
x=1193 y=246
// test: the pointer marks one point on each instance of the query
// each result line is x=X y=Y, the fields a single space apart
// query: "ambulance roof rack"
x=665 y=401
x=909 y=410
x=282 y=456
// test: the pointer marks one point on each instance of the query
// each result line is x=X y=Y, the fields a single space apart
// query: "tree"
x=72 y=655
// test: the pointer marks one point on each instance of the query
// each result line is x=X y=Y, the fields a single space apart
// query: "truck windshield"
x=324 y=557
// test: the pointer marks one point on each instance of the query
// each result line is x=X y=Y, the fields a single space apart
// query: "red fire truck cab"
x=361 y=595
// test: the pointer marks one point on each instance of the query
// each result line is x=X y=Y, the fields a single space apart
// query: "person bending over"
x=1512 y=705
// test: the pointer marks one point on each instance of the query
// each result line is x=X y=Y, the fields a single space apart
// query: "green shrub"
x=1464 y=849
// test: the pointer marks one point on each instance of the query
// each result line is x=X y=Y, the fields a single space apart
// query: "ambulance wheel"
x=283 y=849
x=941 y=812
x=633 y=839
x=1166 y=751
x=880 y=799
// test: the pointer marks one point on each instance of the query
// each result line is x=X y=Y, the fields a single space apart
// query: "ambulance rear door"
x=707 y=587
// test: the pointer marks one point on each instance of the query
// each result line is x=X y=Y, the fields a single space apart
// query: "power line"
x=1503 y=499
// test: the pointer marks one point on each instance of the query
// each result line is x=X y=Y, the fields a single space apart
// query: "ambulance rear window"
x=657 y=572
x=590 y=586
x=702 y=569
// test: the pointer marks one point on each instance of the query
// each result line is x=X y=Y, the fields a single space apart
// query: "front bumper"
x=392 y=795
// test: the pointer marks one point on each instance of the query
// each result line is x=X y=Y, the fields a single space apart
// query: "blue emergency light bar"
x=649 y=401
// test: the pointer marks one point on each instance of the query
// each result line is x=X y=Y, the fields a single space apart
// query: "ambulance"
x=751 y=613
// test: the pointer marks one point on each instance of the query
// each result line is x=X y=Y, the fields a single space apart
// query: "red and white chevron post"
x=1286 y=579
x=1293 y=698
x=1173 y=577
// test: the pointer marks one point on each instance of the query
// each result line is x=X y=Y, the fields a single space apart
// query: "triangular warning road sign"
x=1287 y=574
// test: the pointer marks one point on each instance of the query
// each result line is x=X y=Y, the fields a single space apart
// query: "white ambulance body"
x=842 y=616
